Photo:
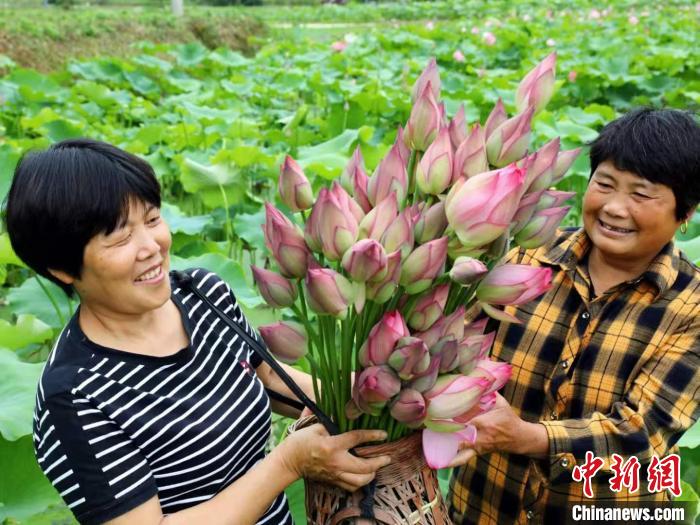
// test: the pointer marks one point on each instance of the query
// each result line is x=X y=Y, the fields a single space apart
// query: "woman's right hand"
x=312 y=453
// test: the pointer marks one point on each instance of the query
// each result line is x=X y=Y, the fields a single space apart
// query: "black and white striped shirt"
x=112 y=428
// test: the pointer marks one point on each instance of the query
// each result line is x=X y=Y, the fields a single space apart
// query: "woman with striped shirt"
x=150 y=409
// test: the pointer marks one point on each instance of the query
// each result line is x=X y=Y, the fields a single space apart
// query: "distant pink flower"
x=633 y=20
x=339 y=46
x=489 y=38
x=572 y=76
x=475 y=30
x=430 y=25
x=594 y=14
x=551 y=42
x=458 y=56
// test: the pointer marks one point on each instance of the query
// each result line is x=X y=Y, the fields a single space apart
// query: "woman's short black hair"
x=660 y=145
x=63 y=196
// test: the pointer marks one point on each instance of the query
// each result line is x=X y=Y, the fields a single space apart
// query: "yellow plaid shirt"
x=618 y=373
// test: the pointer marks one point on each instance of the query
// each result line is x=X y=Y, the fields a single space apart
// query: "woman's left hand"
x=501 y=430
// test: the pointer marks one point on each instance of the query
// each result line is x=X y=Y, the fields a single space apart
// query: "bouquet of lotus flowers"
x=376 y=273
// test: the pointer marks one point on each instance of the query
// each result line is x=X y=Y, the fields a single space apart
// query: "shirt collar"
x=568 y=254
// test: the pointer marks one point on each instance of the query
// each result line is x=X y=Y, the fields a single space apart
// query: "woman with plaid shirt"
x=608 y=360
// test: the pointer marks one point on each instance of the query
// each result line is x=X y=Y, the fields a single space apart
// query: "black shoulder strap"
x=185 y=281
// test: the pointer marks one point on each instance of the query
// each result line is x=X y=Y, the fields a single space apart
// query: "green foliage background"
x=215 y=124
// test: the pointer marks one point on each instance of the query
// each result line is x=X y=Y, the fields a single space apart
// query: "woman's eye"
x=154 y=220
x=641 y=195
x=124 y=240
x=604 y=186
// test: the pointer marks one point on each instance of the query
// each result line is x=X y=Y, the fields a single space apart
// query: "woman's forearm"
x=273 y=382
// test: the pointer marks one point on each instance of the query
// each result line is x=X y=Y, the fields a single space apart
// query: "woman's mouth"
x=613 y=229
x=153 y=275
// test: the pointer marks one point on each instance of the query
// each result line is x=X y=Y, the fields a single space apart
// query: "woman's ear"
x=62 y=276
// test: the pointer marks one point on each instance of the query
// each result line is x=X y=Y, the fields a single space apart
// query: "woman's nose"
x=149 y=244
x=616 y=206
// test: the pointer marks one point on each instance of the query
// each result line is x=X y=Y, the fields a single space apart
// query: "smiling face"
x=626 y=216
x=126 y=272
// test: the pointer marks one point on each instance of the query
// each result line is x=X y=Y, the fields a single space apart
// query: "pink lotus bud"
x=434 y=171
x=483 y=206
x=425 y=381
x=452 y=324
x=424 y=121
x=514 y=284
x=328 y=292
x=381 y=291
x=489 y=38
x=458 y=128
x=540 y=167
x=336 y=222
x=399 y=234
x=430 y=75
x=359 y=181
x=286 y=242
x=410 y=358
x=423 y=265
x=453 y=395
x=409 y=408
x=475 y=30
x=458 y=56
x=382 y=338
x=365 y=261
x=551 y=42
x=431 y=223
x=448 y=350
x=429 y=307
x=374 y=387
x=496 y=372
x=355 y=162
x=541 y=228
x=277 y=291
x=553 y=199
x=633 y=20
x=389 y=177
x=528 y=205
x=467 y=270
x=339 y=46
x=572 y=76
x=473 y=348
x=470 y=157
x=294 y=187
x=400 y=142
x=285 y=339
x=475 y=327
x=379 y=219
x=510 y=140
x=497 y=117
x=564 y=161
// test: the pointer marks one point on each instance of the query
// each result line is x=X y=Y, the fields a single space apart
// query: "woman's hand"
x=312 y=453
x=500 y=429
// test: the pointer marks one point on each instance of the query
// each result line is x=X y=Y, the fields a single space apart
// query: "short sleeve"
x=92 y=463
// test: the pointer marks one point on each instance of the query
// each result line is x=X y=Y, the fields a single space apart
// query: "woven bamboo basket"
x=407 y=491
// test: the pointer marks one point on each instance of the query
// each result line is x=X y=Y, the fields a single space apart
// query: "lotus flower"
x=410 y=358
x=541 y=228
x=537 y=87
x=381 y=291
x=497 y=117
x=277 y=291
x=328 y=292
x=564 y=161
x=356 y=162
x=481 y=209
x=473 y=348
x=409 y=408
x=434 y=171
x=423 y=265
x=540 y=167
x=400 y=142
x=431 y=223
x=458 y=128
x=496 y=372
x=286 y=243
x=467 y=270
x=510 y=140
x=376 y=222
x=527 y=207
x=399 y=234
x=286 y=340
x=424 y=121
x=430 y=75
x=452 y=395
x=475 y=327
x=365 y=261
x=426 y=380
x=452 y=324
x=553 y=199
x=458 y=56
x=382 y=338
x=447 y=349
x=374 y=387
x=429 y=308
x=390 y=176
x=470 y=157
x=440 y=448
x=334 y=222
x=514 y=284
x=294 y=187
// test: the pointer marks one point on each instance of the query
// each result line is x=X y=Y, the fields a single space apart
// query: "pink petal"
x=440 y=448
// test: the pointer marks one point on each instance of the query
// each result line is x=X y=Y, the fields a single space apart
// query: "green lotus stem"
x=411 y=169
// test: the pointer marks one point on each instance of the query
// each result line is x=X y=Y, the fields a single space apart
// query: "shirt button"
x=564 y=363
x=585 y=315
x=564 y=462
x=553 y=415
x=529 y=514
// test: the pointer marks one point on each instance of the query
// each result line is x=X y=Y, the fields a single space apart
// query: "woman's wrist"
x=532 y=440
